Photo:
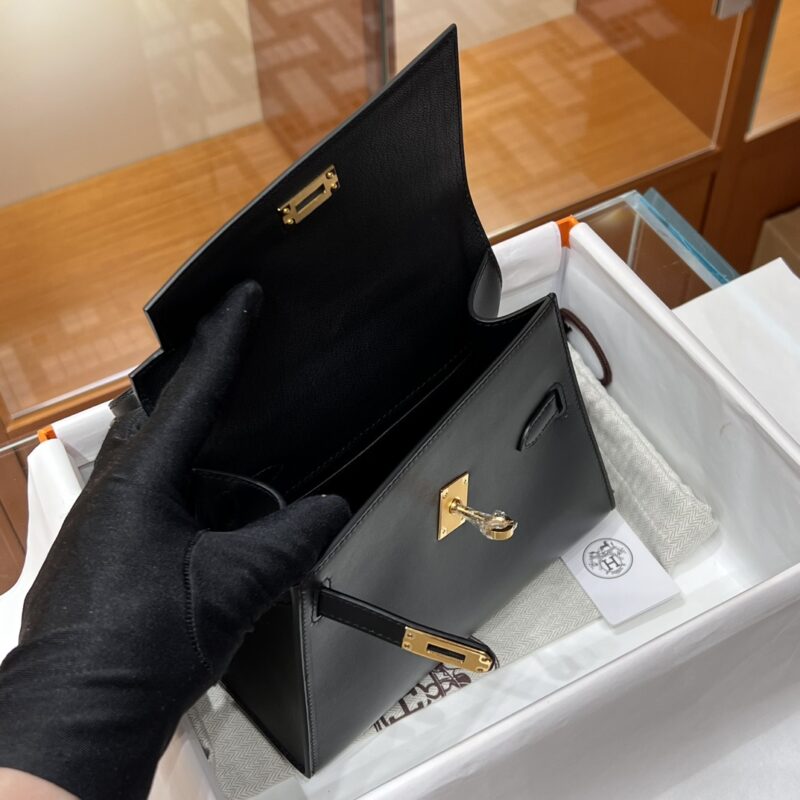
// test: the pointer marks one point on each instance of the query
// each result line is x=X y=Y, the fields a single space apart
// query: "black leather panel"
x=389 y=555
x=267 y=681
x=378 y=275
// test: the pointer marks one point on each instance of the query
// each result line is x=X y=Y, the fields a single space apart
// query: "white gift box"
x=640 y=710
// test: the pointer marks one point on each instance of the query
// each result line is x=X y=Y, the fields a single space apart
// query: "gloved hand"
x=135 y=612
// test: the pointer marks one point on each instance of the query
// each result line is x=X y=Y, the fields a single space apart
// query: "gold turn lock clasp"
x=498 y=526
x=310 y=197
x=454 y=511
x=446 y=651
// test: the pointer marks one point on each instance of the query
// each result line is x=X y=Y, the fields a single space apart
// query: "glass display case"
x=644 y=230
x=659 y=245
x=13 y=508
x=136 y=129
x=565 y=99
x=778 y=99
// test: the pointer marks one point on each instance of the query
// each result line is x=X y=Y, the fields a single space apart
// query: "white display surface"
x=667 y=720
x=757 y=314
x=650 y=708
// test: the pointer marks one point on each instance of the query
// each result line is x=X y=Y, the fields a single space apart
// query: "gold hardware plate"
x=449 y=519
x=310 y=197
x=445 y=651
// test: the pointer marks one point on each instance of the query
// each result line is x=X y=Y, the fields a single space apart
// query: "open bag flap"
x=382 y=272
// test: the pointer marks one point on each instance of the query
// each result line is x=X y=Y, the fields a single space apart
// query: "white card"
x=620 y=575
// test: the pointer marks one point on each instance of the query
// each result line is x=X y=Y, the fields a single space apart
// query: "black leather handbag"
x=382 y=374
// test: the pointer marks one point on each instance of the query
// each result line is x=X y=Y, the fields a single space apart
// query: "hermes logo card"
x=620 y=575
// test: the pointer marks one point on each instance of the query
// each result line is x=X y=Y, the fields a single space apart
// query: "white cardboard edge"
x=584 y=240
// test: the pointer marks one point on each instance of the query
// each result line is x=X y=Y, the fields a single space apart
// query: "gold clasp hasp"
x=310 y=197
x=454 y=512
x=445 y=651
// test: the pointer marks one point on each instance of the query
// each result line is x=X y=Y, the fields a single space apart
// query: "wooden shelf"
x=779 y=98
x=552 y=116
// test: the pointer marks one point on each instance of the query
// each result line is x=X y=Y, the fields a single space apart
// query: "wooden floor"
x=551 y=114
x=779 y=99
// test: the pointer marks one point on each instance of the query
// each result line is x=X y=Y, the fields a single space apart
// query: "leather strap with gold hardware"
x=445 y=648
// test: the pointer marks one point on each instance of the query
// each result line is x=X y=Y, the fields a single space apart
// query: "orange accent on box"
x=565 y=226
x=46 y=433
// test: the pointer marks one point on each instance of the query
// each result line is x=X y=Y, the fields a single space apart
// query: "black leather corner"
x=484 y=299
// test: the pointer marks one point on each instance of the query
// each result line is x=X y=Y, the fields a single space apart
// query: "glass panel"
x=138 y=128
x=659 y=245
x=13 y=508
x=133 y=130
x=564 y=99
x=779 y=94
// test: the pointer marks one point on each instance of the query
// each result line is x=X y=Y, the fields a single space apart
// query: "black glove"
x=135 y=612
